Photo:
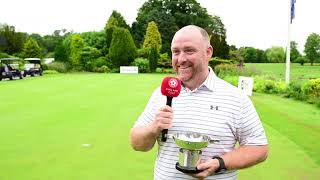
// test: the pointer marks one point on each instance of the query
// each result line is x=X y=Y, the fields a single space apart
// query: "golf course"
x=76 y=126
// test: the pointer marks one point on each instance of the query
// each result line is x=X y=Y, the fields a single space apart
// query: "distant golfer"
x=206 y=105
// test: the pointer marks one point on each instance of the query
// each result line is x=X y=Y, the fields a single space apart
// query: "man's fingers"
x=166 y=109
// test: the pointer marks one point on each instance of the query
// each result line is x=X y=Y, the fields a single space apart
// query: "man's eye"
x=189 y=51
x=175 y=52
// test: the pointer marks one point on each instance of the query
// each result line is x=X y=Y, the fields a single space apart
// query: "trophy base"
x=188 y=170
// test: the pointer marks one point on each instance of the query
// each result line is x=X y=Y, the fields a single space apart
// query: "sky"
x=256 y=23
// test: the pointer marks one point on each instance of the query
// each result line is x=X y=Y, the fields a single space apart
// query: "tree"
x=153 y=58
x=275 y=54
x=294 y=53
x=312 y=47
x=170 y=15
x=220 y=46
x=261 y=56
x=122 y=49
x=76 y=47
x=249 y=54
x=60 y=53
x=152 y=37
x=31 y=49
x=11 y=41
x=301 y=60
x=115 y=20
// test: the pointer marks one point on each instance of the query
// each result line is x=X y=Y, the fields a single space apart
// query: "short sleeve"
x=250 y=129
x=147 y=116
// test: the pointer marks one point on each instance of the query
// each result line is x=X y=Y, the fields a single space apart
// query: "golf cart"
x=9 y=68
x=32 y=66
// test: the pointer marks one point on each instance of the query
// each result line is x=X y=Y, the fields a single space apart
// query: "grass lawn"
x=279 y=70
x=47 y=121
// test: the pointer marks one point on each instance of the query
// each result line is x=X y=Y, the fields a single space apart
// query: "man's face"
x=189 y=54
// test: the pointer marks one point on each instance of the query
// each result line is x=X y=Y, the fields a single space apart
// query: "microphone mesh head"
x=171 y=86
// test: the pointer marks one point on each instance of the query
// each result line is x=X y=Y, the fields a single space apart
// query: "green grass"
x=46 y=120
x=279 y=70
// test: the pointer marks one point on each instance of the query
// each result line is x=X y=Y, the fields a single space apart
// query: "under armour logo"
x=214 y=107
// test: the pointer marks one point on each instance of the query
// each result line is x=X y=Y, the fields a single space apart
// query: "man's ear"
x=209 y=51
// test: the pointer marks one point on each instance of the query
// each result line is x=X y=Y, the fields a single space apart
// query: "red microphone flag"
x=171 y=86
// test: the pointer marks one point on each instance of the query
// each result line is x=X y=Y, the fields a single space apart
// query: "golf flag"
x=292 y=9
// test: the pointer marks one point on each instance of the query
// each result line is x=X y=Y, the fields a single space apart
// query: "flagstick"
x=288 y=46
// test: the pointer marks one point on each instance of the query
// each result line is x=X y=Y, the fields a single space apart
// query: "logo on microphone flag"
x=173 y=83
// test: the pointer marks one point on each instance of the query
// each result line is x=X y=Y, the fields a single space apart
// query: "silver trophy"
x=190 y=144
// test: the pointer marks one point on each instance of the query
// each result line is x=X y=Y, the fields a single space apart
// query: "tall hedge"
x=122 y=49
x=153 y=58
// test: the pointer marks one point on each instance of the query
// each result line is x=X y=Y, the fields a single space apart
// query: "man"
x=206 y=105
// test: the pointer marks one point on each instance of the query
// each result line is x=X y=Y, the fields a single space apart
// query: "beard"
x=189 y=72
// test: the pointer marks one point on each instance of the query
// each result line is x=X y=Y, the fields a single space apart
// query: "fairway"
x=278 y=70
x=76 y=126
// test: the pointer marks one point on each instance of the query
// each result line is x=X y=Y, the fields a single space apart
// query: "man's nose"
x=182 y=57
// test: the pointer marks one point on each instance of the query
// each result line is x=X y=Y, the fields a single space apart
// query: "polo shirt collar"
x=209 y=82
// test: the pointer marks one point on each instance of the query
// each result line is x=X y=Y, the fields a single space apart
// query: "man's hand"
x=208 y=167
x=163 y=119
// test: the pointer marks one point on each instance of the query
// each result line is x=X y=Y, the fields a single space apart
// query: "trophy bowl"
x=190 y=144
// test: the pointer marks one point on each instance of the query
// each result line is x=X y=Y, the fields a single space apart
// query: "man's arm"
x=243 y=157
x=143 y=138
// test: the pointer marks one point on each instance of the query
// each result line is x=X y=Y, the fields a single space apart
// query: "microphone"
x=170 y=87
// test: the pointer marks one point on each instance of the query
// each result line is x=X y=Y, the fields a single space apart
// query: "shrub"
x=44 y=66
x=122 y=50
x=58 y=66
x=143 y=64
x=164 y=61
x=142 y=53
x=216 y=61
x=153 y=59
x=102 y=69
x=311 y=89
x=301 y=60
x=294 y=90
x=50 y=72
x=4 y=55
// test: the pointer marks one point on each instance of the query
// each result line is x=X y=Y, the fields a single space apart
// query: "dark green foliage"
x=216 y=61
x=164 y=61
x=143 y=53
x=153 y=59
x=143 y=65
x=301 y=60
x=294 y=53
x=60 y=53
x=122 y=50
x=11 y=41
x=312 y=48
x=31 y=49
x=249 y=54
x=88 y=56
x=115 y=20
x=94 y=39
x=170 y=15
x=220 y=46
x=4 y=55
x=261 y=56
